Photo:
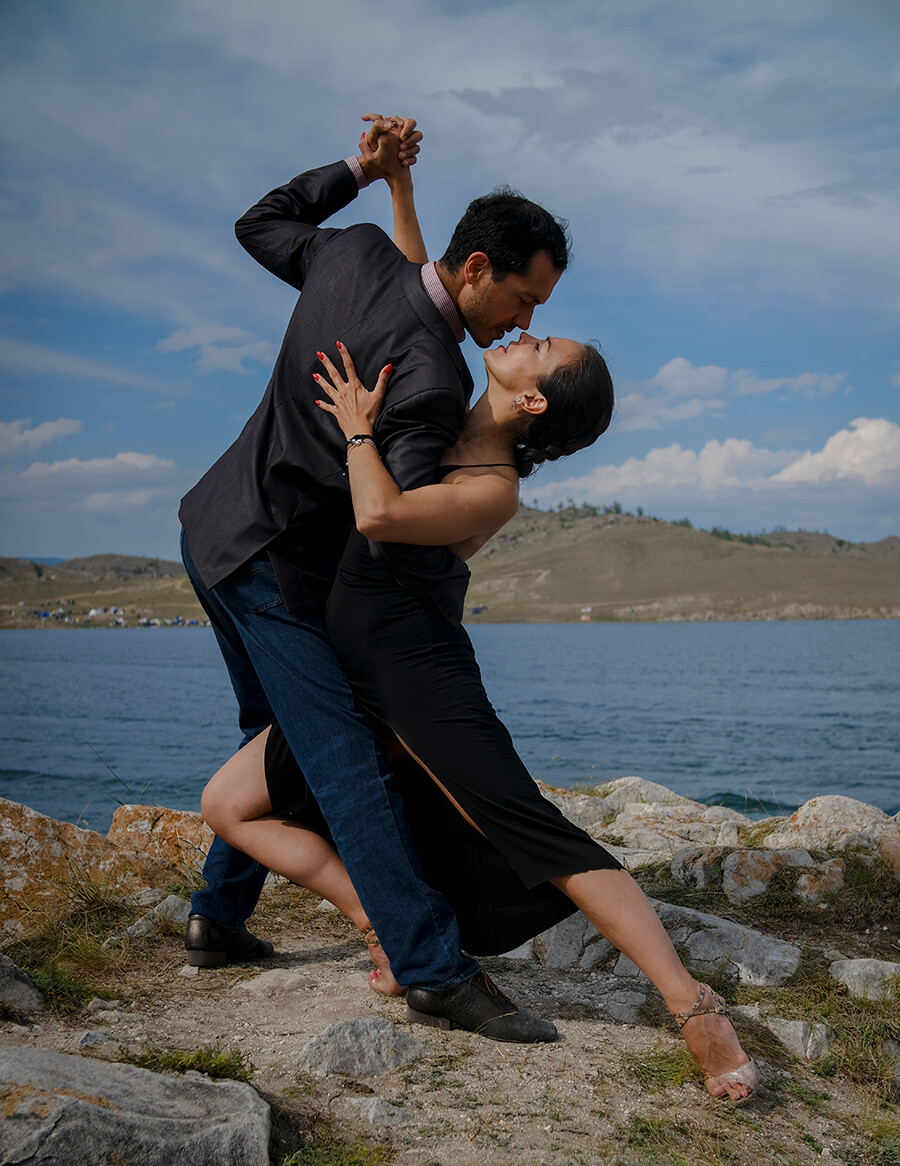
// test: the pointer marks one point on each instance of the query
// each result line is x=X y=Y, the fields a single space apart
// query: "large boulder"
x=709 y=944
x=609 y=799
x=831 y=822
x=179 y=837
x=666 y=828
x=40 y=858
x=81 y=1112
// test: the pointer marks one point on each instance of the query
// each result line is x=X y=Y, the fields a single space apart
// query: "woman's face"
x=519 y=365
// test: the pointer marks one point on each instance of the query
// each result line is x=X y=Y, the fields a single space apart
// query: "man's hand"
x=389 y=148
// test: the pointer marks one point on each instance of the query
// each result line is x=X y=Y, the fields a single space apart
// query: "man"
x=265 y=527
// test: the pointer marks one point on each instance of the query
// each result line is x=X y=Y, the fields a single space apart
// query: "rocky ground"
x=616 y=1089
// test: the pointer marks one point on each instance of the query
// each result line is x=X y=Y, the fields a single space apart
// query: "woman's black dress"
x=414 y=669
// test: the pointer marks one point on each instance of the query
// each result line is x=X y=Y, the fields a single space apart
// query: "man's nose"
x=523 y=318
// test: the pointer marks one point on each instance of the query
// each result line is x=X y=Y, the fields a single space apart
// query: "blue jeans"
x=283 y=665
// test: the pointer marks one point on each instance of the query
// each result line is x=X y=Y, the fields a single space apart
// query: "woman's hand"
x=352 y=405
x=389 y=148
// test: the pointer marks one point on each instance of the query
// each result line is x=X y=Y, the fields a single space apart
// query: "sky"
x=730 y=174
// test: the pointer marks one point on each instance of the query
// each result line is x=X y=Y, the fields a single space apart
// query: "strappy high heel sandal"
x=370 y=939
x=744 y=1074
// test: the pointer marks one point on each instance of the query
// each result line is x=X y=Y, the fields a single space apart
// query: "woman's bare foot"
x=382 y=978
x=712 y=1042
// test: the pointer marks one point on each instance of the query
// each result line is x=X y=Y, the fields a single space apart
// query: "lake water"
x=760 y=716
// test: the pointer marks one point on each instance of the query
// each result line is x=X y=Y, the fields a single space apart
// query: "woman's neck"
x=483 y=440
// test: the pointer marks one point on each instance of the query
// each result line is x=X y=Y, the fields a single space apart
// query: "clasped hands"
x=389 y=147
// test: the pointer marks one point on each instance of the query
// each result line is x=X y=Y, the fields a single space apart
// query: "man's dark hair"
x=510 y=230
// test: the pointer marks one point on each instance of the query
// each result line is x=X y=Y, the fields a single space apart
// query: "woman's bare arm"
x=395 y=168
x=466 y=506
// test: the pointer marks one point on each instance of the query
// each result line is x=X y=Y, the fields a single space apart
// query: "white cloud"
x=15 y=437
x=220 y=348
x=868 y=452
x=680 y=391
x=73 y=470
x=34 y=358
x=736 y=484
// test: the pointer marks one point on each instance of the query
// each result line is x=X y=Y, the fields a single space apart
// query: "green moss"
x=213 y=1060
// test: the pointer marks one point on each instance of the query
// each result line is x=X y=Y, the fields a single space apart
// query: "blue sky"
x=729 y=170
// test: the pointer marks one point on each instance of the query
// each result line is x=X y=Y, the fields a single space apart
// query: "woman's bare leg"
x=236 y=805
x=620 y=911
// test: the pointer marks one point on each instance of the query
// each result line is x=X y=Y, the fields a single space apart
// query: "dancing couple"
x=328 y=547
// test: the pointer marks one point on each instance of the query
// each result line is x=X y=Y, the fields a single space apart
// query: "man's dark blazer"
x=281 y=488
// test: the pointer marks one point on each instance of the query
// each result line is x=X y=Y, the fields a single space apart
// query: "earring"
x=516 y=403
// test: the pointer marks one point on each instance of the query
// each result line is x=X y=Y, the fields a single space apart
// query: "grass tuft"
x=213 y=1060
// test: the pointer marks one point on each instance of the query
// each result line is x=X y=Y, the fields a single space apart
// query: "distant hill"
x=542 y=567
x=37 y=595
x=549 y=566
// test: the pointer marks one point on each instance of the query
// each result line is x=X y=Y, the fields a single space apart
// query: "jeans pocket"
x=254 y=586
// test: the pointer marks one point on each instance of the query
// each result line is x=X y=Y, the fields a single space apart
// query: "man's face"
x=490 y=309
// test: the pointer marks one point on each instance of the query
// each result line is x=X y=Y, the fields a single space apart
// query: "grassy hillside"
x=548 y=566
x=141 y=587
x=541 y=567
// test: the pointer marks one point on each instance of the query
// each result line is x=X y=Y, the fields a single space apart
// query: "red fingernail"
x=320 y=355
x=315 y=376
x=339 y=344
x=388 y=368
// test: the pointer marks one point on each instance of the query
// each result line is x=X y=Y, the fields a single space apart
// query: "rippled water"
x=759 y=716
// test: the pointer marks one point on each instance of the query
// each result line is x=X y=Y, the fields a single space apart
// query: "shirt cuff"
x=357 y=172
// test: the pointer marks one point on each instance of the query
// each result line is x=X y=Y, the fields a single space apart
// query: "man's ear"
x=534 y=403
x=477 y=268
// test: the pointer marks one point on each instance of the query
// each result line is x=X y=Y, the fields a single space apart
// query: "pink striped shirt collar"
x=439 y=296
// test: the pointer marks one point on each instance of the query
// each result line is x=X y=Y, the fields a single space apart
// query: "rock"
x=664 y=829
x=812 y=886
x=379 y=1112
x=809 y=1042
x=97 y=1004
x=178 y=837
x=698 y=866
x=82 y=1112
x=890 y=1055
x=40 y=856
x=625 y=1006
x=17 y=988
x=747 y=955
x=188 y=970
x=608 y=799
x=867 y=979
x=523 y=952
x=889 y=847
x=363 y=1047
x=325 y=906
x=173 y=909
x=93 y=1037
x=746 y=873
x=148 y=897
x=563 y=945
x=276 y=982
x=626 y=967
x=831 y=822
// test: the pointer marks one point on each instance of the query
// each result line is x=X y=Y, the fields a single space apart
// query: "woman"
x=412 y=666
